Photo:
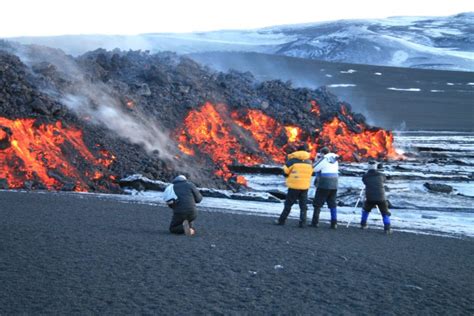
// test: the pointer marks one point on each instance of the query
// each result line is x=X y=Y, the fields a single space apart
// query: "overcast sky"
x=56 y=17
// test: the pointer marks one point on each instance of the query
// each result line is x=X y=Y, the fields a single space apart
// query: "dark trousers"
x=176 y=225
x=383 y=206
x=295 y=195
x=322 y=196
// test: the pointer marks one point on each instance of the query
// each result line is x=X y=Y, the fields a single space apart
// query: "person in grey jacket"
x=184 y=208
x=374 y=181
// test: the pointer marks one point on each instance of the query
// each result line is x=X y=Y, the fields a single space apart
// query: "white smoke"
x=93 y=103
x=98 y=103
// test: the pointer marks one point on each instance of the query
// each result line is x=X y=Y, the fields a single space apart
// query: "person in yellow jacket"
x=298 y=170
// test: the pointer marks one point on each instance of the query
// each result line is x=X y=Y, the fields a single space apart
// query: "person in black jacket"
x=184 y=208
x=375 y=196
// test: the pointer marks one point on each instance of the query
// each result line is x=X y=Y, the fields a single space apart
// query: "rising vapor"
x=99 y=104
x=101 y=108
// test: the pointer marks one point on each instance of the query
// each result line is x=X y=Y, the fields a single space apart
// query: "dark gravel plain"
x=82 y=254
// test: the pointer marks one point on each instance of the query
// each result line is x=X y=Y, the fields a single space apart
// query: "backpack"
x=170 y=196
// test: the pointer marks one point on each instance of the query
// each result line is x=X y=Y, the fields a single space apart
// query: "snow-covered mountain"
x=440 y=43
x=419 y=42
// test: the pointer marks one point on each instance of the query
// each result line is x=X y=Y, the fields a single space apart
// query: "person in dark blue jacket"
x=374 y=181
x=184 y=208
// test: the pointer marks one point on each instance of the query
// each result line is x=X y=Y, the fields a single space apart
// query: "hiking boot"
x=277 y=222
x=333 y=225
x=363 y=226
x=387 y=230
x=188 y=231
x=315 y=219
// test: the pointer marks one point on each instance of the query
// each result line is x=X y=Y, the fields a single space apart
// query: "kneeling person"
x=184 y=208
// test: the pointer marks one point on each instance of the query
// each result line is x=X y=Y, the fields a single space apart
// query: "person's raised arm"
x=319 y=165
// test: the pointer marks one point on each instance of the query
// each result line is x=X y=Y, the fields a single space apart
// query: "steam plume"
x=103 y=109
x=98 y=102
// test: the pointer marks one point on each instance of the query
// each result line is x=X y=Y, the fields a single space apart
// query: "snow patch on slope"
x=342 y=85
x=402 y=89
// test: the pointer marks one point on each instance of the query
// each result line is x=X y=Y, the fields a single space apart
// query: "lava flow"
x=350 y=145
x=315 y=108
x=207 y=131
x=221 y=136
x=266 y=131
x=47 y=156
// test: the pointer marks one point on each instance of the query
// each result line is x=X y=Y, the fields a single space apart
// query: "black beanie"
x=324 y=150
x=302 y=147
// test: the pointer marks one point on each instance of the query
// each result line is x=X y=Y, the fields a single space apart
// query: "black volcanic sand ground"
x=76 y=254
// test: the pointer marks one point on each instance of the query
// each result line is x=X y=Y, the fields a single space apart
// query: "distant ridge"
x=444 y=43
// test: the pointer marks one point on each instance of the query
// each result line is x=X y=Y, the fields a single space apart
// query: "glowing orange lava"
x=106 y=158
x=292 y=132
x=216 y=133
x=46 y=154
x=367 y=144
x=344 y=112
x=265 y=130
x=315 y=108
x=3 y=134
x=130 y=104
x=241 y=180
x=207 y=130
